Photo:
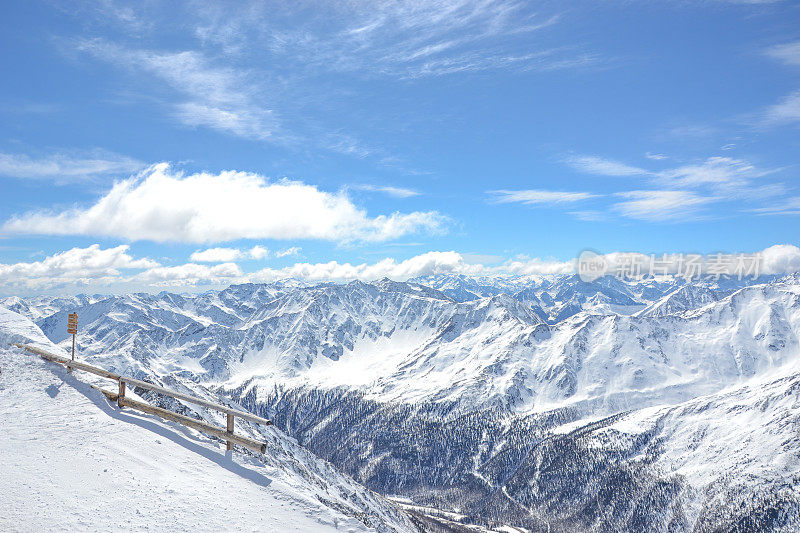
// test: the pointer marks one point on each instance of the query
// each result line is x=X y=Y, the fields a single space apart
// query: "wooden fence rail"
x=226 y=434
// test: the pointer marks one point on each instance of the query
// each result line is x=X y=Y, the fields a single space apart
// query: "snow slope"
x=72 y=461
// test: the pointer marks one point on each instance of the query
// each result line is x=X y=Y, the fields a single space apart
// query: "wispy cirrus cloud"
x=788 y=206
x=601 y=166
x=731 y=173
x=788 y=53
x=399 y=39
x=266 y=71
x=67 y=166
x=164 y=206
x=684 y=190
x=397 y=192
x=539 y=197
x=217 y=97
x=662 y=205
x=787 y=110
x=719 y=171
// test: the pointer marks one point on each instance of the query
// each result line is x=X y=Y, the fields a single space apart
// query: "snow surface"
x=72 y=461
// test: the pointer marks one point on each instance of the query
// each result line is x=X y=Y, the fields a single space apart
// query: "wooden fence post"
x=230 y=430
x=121 y=393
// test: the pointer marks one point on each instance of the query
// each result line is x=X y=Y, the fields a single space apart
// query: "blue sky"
x=364 y=139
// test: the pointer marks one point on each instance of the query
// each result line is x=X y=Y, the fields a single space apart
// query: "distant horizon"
x=776 y=261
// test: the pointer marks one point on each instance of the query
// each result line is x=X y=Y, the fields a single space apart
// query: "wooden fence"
x=226 y=434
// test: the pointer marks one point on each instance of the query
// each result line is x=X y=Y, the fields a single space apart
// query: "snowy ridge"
x=382 y=338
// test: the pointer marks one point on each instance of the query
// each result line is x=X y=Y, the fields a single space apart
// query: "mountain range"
x=536 y=402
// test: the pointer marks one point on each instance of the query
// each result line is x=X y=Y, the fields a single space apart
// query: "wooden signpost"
x=72 y=328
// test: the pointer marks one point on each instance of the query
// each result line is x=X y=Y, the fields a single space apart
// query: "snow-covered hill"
x=444 y=389
x=73 y=462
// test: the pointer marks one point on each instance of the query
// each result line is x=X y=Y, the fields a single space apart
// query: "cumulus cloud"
x=780 y=259
x=189 y=274
x=164 y=206
x=99 y=269
x=74 y=266
x=223 y=255
x=421 y=265
x=426 y=264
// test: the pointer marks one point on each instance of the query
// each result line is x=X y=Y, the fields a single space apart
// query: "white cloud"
x=99 y=270
x=590 y=215
x=421 y=265
x=720 y=179
x=221 y=98
x=780 y=259
x=162 y=206
x=224 y=255
x=74 y=267
x=715 y=170
x=397 y=192
x=294 y=250
x=603 y=167
x=535 y=266
x=692 y=131
x=216 y=255
x=788 y=53
x=400 y=39
x=538 y=196
x=662 y=206
x=789 y=206
x=67 y=167
x=258 y=252
x=723 y=172
x=786 y=111
x=189 y=274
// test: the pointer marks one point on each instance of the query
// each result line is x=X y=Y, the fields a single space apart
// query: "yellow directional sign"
x=72 y=323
